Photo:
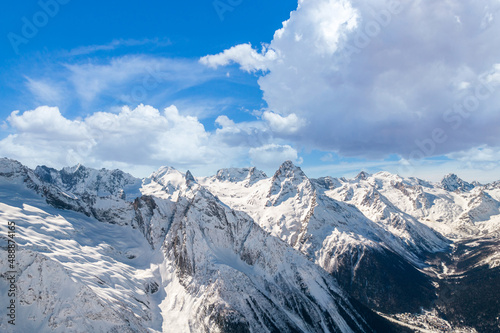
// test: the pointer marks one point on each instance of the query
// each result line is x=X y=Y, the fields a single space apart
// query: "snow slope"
x=373 y=233
x=178 y=261
x=317 y=220
x=100 y=250
x=73 y=271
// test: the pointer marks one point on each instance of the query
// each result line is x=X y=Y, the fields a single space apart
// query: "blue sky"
x=341 y=86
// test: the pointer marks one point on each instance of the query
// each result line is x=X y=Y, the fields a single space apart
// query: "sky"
x=335 y=86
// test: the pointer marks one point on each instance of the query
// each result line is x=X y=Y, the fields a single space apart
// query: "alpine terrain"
x=103 y=251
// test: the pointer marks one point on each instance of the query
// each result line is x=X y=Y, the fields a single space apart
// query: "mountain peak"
x=13 y=169
x=287 y=165
x=73 y=169
x=288 y=169
x=216 y=246
x=287 y=179
x=46 y=173
x=236 y=175
x=362 y=175
x=82 y=180
x=163 y=171
x=7 y=165
x=167 y=175
x=189 y=176
x=476 y=183
x=257 y=173
x=452 y=182
x=451 y=176
x=327 y=182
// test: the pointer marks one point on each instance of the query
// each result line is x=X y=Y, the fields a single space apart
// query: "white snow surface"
x=174 y=259
x=102 y=251
x=328 y=217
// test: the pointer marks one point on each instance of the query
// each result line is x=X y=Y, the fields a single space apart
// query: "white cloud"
x=327 y=157
x=242 y=134
x=139 y=141
x=373 y=78
x=483 y=157
x=44 y=136
x=135 y=139
x=47 y=122
x=117 y=43
x=44 y=91
x=270 y=156
x=243 y=54
x=90 y=79
x=284 y=125
x=226 y=124
x=125 y=80
x=317 y=26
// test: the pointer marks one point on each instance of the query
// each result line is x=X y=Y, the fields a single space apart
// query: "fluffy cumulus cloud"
x=373 y=78
x=137 y=140
x=279 y=124
x=140 y=140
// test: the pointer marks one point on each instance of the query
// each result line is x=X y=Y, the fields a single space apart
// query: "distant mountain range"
x=102 y=251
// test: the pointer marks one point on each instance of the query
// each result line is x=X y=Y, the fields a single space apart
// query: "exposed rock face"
x=452 y=183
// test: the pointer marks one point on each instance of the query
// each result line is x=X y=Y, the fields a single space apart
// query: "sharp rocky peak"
x=15 y=171
x=252 y=175
x=287 y=179
x=289 y=170
x=189 y=177
x=8 y=166
x=46 y=174
x=74 y=169
x=452 y=182
x=362 y=175
x=166 y=175
x=67 y=177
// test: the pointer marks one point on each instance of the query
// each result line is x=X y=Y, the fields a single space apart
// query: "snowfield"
x=102 y=251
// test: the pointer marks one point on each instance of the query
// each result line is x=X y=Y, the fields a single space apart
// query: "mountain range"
x=103 y=251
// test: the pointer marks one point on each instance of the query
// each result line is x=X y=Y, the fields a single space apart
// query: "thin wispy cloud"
x=44 y=91
x=123 y=80
x=116 y=44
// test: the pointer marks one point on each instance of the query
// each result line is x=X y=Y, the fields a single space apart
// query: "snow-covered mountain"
x=376 y=234
x=100 y=250
x=452 y=183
